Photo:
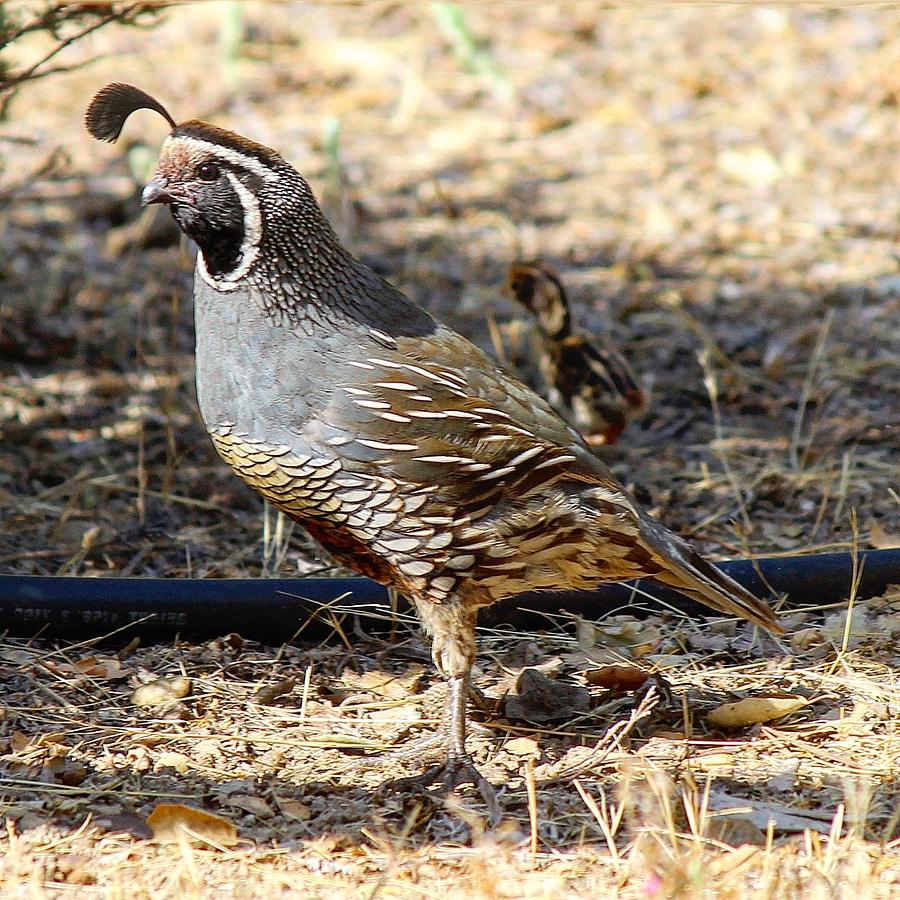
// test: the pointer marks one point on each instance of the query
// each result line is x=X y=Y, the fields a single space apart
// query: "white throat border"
x=249 y=251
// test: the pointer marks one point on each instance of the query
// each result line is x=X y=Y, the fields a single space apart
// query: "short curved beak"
x=156 y=191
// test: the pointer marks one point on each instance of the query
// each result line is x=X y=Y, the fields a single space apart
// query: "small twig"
x=304 y=700
x=610 y=741
x=815 y=359
x=496 y=338
x=142 y=476
x=843 y=485
x=531 y=790
x=855 y=580
x=107 y=483
x=712 y=389
x=608 y=826
x=50 y=21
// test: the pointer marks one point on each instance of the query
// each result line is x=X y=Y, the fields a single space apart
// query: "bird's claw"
x=449 y=775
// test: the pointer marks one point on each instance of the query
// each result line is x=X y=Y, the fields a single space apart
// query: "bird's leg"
x=447 y=741
x=455 y=715
x=457 y=767
x=452 y=627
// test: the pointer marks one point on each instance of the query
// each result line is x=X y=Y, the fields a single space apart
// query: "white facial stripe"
x=235 y=157
x=249 y=246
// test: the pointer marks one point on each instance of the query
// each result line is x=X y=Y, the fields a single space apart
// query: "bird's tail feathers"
x=688 y=572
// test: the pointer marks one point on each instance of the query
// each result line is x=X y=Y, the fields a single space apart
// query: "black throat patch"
x=217 y=225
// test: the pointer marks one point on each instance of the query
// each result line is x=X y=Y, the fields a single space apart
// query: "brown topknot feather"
x=113 y=104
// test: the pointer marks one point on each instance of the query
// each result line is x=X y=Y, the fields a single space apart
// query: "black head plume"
x=112 y=105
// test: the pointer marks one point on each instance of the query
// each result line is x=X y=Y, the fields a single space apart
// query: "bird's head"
x=537 y=286
x=227 y=193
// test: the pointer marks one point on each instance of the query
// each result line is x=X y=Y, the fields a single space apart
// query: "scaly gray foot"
x=449 y=775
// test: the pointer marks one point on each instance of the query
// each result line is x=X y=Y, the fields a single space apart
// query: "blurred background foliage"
x=57 y=26
x=717 y=184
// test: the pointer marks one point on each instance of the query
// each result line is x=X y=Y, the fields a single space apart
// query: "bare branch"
x=54 y=19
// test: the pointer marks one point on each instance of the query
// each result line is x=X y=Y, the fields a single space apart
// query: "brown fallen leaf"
x=594 y=658
x=172 y=760
x=860 y=628
x=736 y=859
x=294 y=809
x=753 y=710
x=523 y=655
x=386 y=684
x=252 y=804
x=805 y=638
x=639 y=651
x=759 y=812
x=523 y=746
x=68 y=771
x=737 y=831
x=18 y=657
x=163 y=690
x=617 y=678
x=173 y=822
x=269 y=693
x=881 y=539
x=107 y=668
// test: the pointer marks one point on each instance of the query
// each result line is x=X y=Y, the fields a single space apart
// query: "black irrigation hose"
x=276 y=608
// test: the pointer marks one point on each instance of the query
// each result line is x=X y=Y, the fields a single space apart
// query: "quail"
x=592 y=386
x=399 y=446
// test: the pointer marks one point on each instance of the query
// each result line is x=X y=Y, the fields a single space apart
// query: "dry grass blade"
x=794 y=454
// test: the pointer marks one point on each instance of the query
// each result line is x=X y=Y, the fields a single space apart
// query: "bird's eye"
x=207 y=171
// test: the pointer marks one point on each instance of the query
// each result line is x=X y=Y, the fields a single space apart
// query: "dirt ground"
x=718 y=186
